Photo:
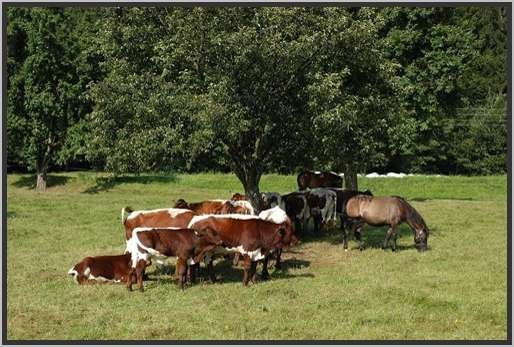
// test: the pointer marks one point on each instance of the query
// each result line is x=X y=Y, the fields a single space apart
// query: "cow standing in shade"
x=296 y=207
x=322 y=207
x=250 y=236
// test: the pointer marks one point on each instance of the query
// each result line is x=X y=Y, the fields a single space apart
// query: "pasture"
x=455 y=290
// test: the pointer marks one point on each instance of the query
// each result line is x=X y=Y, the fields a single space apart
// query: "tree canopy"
x=254 y=90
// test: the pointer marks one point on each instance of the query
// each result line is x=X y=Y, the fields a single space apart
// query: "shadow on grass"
x=227 y=273
x=29 y=181
x=103 y=184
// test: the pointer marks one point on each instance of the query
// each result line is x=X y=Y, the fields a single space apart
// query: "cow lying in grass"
x=187 y=245
x=102 y=269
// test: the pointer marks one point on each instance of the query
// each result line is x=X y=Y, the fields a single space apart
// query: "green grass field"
x=456 y=290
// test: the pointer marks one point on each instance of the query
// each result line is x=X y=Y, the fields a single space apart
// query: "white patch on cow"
x=254 y=255
x=268 y=196
x=140 y=229
x=275 y=215
x=75 y=273
x=87 y=271
x=245 y=204
x=317 y=172
x=218 y=200
x=190 y=261
x=173 y=212
x=99 y=278
x=341 y=175
x=328 y=212
x=197 y=219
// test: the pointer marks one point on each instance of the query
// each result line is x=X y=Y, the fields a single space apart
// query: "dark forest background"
x=255 y=90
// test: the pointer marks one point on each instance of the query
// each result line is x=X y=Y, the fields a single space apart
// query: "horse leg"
x=387 y=237
x=394 y=235
x=357 y=232
x=278 y=263
x=345 y=235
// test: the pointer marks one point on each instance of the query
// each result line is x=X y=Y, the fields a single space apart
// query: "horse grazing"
x=391 y=211
x=318 y=179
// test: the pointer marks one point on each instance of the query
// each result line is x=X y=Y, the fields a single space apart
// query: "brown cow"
x=237 y=197
x=187 y=245
x=109 y=268
x=166 y=217
x=217 y=207
x=314 y=179
x=251 y=236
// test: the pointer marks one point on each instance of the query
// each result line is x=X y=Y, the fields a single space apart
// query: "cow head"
x=238 y=196
x=285 y=235
x=181 y=203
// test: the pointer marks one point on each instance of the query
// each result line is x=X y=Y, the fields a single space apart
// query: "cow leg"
x=129 y=278
x=210 y=270
x=265 y=273
x=387 y=237
x=278 y=263
x=140 y=267
x=191 y=273
x=253 y=271
x=181 y=272
x=247 y=265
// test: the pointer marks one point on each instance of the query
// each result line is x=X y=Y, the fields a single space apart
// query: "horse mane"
x=412 y=213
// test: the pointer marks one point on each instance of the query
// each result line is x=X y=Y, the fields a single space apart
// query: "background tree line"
x=254 y=90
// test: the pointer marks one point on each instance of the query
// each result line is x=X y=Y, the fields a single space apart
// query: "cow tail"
x=128 y=210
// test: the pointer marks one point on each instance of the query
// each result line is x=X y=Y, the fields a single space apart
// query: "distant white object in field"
x=398 y=175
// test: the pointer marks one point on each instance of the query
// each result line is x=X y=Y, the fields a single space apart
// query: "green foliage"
x=46 y=83
x=255 y=90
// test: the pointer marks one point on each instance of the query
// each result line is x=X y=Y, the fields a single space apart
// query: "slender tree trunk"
x=252 y=193
x=41 y=178
x=350 y=178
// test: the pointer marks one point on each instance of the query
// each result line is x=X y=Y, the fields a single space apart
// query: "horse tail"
x=124 y=217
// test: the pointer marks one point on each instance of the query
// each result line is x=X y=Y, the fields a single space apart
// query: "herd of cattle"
x=199 y=232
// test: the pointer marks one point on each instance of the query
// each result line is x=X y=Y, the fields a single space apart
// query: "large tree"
x=45 y=84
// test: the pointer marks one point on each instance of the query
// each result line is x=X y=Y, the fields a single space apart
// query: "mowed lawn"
x=456 y=290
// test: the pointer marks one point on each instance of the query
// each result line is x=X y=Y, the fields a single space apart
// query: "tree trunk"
x=350 y=178
x=252 y=193
x=41 y=181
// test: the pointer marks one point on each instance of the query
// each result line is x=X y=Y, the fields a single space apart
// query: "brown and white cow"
x=295 y=206
x=314 y=179
x=322 y=204
x=188 y=245
x=164 y=217
x=271 y=199
x=250 y=236
x=102 y=269
x=216 y=206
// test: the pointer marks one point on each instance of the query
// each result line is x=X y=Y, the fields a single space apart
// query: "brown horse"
x=316 y=179
x=391 y=211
